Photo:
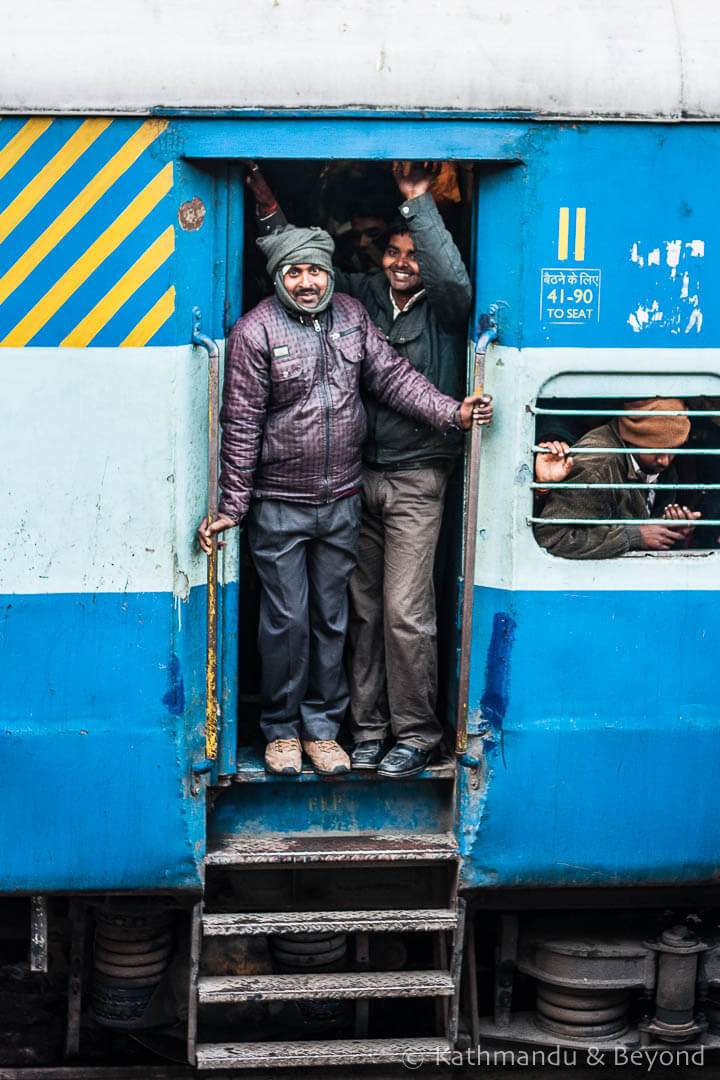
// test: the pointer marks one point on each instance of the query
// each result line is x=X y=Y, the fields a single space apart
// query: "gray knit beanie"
x=291 y=245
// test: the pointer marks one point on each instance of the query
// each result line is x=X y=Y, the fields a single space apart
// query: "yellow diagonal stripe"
x=119 y=163
x=131 y=280
x=56 y=167
x=149 y=325
x=20 y=142
x=99 y=250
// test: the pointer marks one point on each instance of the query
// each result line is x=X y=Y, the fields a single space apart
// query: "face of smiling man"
x=306 y=283
x=401 y=268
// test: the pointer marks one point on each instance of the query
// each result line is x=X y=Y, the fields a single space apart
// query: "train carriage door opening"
x=356 y=200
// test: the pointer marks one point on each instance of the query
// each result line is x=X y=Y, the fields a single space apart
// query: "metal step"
x=216 y=989
x=317 y=922
x=410 y=1052
x=332 y=848
x=251 y=770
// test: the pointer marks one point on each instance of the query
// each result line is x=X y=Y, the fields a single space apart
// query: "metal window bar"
x=709 y=451
x=546 y=486
x=620 y=521
x=537 y=411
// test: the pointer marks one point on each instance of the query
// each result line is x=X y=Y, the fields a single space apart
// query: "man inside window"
x=651 y=438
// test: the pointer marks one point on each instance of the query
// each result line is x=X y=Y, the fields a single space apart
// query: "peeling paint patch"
x=672 y=294
x=191 y=214
x=695 y=321
x=181 y=591
x=639 y=318
x=672 y=253
x=523 y=476
x=181 y=585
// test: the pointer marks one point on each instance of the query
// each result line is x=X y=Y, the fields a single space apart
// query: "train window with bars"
x=615 y=477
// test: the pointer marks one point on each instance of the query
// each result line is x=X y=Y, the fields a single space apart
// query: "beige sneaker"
x=328 y=759
x=283 y=757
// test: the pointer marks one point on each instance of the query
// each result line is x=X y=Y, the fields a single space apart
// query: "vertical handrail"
x=211 y=662
x=456 y=966
x=38 y=933
x=194 y=975
x=487 y=332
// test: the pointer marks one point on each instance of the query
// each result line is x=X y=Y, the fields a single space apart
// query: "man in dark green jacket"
x=421 y=299
x=647 y=436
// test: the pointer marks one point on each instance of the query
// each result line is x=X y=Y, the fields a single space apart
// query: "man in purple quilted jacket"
x=293 y=424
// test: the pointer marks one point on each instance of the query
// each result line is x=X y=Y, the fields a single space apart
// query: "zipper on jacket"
x=326 y=399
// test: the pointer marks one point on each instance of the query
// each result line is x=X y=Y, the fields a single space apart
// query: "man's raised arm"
x=442 y=270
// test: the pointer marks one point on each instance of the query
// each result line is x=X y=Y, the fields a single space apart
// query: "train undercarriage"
x=348 y=948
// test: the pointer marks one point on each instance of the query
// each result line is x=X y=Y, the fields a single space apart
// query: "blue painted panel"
x=645 y=210
x=601 y=736
x=66 y=187
x=102 y=704
x=67 y=248
x=198 y=261
x=377 y=136
x=313 y=805
x=97 y=286
x=644 y=213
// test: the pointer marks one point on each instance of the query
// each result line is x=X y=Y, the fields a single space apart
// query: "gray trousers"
x=304 y=556
x=393 y=631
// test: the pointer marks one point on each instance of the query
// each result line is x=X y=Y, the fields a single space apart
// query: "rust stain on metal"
x=191 y=214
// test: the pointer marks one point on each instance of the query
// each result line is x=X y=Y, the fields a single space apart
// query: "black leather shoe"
x=369 y=754
x=404 y=761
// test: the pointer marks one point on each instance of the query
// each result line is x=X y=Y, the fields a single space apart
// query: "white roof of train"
x=575 y=58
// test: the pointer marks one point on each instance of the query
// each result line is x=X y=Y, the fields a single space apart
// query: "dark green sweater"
x=431 y=334
x=600 y=541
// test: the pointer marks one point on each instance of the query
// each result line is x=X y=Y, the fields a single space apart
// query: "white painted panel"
x=104 y=470
x=651 y=58
x=698 y=39
x=508 y=557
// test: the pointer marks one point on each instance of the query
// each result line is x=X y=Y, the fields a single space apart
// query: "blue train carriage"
x=562 y=853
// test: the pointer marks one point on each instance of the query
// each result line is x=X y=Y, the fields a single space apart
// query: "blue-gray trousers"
x=304 y=556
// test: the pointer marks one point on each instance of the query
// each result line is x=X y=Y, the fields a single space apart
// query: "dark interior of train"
x=354 y=200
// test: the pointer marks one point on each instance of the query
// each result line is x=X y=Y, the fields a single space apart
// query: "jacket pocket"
x=351 y=354
x=289 y=382
x=345 y=367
